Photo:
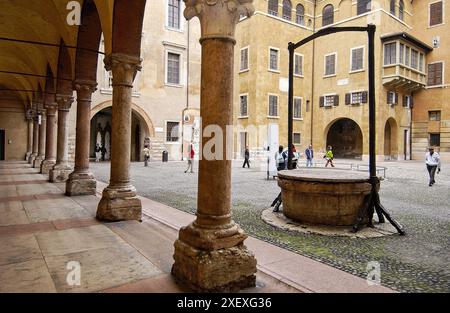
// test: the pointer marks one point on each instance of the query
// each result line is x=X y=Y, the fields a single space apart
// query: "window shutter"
x=411 y=101
x=336 y=100
x=396 y=98
x=438 y=73
x=389 y=100
x=347 y=98
x=404 y=101
x=436 y=13
x=321 y=101
x=364 y=97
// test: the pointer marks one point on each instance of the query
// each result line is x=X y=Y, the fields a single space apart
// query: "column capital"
x=85 y=85
x=218 y=18
x=124 y=68
x=51 y=108
x=30 y=115
x=64 y=102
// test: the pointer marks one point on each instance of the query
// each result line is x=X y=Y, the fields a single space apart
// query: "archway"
x=345 y=136
x=390 y=140
x=101 y=123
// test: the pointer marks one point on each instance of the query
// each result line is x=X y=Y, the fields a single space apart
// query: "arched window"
x=273 y=7
x=300 y=14
x=392 y=7
x=287 y=10
x=363 y=6
x=401 y=9
x=328 y=15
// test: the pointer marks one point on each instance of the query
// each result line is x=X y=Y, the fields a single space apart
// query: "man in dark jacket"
x=246 y=157
x=309 y=154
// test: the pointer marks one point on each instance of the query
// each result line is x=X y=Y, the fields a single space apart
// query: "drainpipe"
x=312 y=73
x=410 y=125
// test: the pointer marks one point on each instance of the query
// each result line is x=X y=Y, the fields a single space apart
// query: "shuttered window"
x=298 y=64
x=363 y=6
x=328 y=15
x=273 y=56
x=402 y=54
x=401 y=9
x=297 y=108
x=436 y=13
x=435 y=74
x=296 y=138
x=244 y=59
x=243 y=105
x=273 y=105
x=330 y=64
x=172 y=131
x=173 y=68
x=392 y=7
x=357 y=59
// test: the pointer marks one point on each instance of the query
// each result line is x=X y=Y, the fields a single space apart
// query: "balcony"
x=405 y=78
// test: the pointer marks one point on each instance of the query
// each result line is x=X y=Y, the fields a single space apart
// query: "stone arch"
x=150 y=130
x=64 y=74
x=391 y=139
x=346 y=138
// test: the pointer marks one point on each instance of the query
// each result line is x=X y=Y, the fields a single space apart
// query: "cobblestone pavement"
x=418 y=262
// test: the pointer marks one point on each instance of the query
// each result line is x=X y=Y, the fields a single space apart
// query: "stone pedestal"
x=209 y=254
x=60 y=172
x=119 y=200
x=81 y=181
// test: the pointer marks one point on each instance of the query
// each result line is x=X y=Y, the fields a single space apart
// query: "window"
x=174 y=14
x=407 y=100
x=300 y=14
x=272 y=8
x=392 y=97
x=287 y=10
x=297 y=108
x=296 y=138
x=401 y=9
x=298 y=64
x=407 y=56
x=363 y=6
x=273 y=59
x=172 y=131
x=392 y=7
x=329 y=100
x=390 y=53
x=421 y=62
x=173 y=68
x=328 y=15
x=243 y=105
x=435 y=74
x=109 y=80
x=357 y=62
x=330 y=64
x=356 y=97
x=434 y=115
x=402 y=54
x=435 y=140
x=414 y=59
x=436 y=13
x=273 y=105
x=244 y=59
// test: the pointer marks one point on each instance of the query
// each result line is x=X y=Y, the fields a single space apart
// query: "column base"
x=31 y=159
x=60 y=173
x=27 y=156
x=81 y=184
x=119 y=205
x=38 y=161
x=223 y=270
x=47 y=165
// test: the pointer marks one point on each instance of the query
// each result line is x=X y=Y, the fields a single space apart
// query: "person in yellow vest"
x=329 y=156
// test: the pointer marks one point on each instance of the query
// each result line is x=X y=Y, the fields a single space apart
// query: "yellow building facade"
x=331 y=77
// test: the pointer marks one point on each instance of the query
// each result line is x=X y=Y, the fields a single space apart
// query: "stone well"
x=323 y=196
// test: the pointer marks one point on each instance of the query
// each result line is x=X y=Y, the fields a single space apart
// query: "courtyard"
x=417 y=262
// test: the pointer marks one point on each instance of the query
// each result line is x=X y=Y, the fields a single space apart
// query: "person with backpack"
x=309 y=153
x=280 y=159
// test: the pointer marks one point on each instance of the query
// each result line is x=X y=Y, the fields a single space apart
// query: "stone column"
x=210 y=254
x=41 y=149
x=35 y=138
x=60 y=172
x=30 y=136
x=119 y=200
x=82 y=181
x=50 y=146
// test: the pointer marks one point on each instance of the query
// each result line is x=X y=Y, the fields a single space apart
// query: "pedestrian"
x=246 y=158
x=295 y=157
x=146 y=151
x=309 y=153
x=329 y=156
x=191 y=154
x=98 y=152
x=280 y=158
x=433 y=162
